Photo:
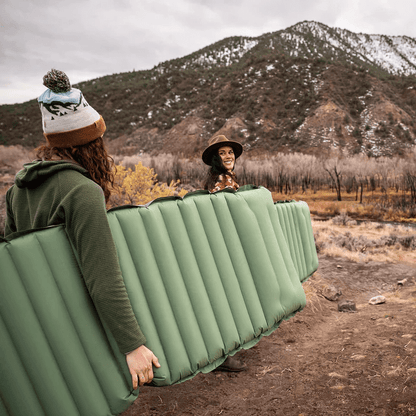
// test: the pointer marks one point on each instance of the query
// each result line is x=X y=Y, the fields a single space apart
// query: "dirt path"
x=321 y=362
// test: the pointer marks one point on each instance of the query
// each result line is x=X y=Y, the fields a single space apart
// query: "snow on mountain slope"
x=393 y=54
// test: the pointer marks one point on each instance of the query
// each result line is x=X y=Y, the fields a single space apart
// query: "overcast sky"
x=92 y=38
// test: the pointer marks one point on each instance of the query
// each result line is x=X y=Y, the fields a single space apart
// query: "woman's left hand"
x=140 y=363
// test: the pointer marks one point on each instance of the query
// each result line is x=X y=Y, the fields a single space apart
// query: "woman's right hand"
x=140 y=363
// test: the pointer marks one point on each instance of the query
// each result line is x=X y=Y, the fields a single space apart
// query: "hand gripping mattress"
x=207 y=275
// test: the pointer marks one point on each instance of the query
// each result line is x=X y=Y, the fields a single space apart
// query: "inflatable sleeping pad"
x=207 y=275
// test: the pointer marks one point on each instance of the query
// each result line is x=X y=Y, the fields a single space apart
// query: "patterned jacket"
x=225 y=181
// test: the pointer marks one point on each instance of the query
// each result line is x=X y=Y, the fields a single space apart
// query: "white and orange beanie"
x=67 y=119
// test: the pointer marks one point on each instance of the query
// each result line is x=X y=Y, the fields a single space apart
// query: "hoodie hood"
x=36 y=172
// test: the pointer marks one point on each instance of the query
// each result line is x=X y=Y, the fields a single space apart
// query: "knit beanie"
x=67 y=119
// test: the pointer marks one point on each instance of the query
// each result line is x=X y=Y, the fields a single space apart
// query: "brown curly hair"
x=92 y=156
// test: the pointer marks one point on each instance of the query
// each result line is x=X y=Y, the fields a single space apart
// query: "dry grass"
x=313 y=288
x=344 y=237
x=323 y=203
x=368 y=241
x=13 y=157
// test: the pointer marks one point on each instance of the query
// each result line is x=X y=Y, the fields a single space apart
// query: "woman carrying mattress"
x=221 y=155
x=70 y=184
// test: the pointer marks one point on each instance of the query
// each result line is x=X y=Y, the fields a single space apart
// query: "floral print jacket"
x=225 y=181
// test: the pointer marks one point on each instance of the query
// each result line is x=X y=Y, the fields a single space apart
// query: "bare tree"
x=411 y=184
x=334 y=171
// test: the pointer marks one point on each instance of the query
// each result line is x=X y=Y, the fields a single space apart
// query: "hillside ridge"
x=308 y=88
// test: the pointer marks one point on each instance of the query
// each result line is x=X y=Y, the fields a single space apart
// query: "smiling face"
x=227 y=156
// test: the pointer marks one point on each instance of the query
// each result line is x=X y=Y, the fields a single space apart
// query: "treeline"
x=393 y=177
x=296 y=172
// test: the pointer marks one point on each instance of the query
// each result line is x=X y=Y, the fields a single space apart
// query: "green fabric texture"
x=295 y=222
x=206 y=275
x=222 y=256
x=55 y=355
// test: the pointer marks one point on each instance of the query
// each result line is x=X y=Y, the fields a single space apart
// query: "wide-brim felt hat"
x=220 y=141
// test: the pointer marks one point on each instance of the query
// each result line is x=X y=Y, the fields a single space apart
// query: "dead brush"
x=343 y=219
x=169 y=168
x=367 y=241
x=400 y=370
x=313 y=288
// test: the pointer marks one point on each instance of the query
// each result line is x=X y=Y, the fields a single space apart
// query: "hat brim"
x=210 y=150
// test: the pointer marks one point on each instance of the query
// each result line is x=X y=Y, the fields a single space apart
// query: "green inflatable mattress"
x=207 y=275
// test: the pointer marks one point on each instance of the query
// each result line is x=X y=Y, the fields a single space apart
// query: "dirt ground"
x=320 y=362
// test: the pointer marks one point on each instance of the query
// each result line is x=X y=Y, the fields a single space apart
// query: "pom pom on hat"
x=57 y=81
x=67 y=119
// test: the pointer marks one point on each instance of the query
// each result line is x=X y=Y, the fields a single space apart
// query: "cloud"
x=94 y=38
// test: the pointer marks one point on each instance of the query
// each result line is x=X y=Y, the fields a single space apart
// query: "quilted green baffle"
x=207 y=275
x=55 y=356
x=295 y=222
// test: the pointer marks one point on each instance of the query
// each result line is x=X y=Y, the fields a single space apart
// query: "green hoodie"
x=60 y=192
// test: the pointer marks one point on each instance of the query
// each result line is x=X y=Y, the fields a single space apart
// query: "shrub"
x=140 y=186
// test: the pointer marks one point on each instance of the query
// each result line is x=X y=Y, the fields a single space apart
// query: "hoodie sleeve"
x=86 y=222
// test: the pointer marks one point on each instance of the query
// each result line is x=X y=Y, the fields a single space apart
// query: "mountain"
x=391 y=54
x=309 y=88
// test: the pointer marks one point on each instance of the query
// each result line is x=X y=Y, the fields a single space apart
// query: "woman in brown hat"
x=221 y=155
